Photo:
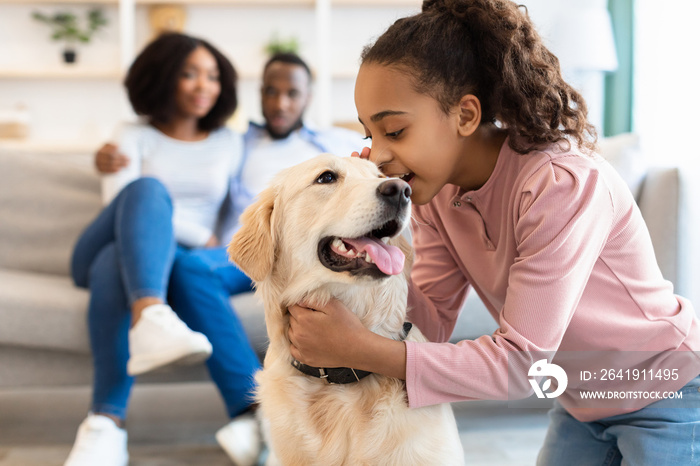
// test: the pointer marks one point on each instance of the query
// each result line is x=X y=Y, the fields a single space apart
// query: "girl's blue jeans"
x=129 y=252
x=667 y=432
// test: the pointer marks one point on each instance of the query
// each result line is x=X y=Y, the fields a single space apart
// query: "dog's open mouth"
x=369 y=254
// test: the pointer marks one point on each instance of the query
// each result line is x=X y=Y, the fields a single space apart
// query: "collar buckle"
x=323 y=375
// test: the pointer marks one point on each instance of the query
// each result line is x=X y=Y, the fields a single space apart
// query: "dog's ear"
x=252 y=248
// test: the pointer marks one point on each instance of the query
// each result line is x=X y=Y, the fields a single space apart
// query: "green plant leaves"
x=66 y=27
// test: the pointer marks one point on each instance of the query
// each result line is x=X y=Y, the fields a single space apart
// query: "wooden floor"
x=37 y=427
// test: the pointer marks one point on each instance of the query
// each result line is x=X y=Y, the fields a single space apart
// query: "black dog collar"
x=341 y=375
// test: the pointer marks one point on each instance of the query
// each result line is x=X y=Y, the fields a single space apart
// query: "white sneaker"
x=99 y=442
x=160 y=338
x=241 y=440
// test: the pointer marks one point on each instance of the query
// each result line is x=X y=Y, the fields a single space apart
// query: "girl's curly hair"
x=488 y=48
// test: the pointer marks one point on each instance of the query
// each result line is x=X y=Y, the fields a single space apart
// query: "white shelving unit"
x=334 y=70
x=127 y=28
x=60 y=73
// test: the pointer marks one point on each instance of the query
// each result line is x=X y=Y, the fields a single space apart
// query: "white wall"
x=63 y=109
x=87 y=110
x=666 y=81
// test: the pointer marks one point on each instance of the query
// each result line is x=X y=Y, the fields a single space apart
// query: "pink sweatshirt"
x=557 y=249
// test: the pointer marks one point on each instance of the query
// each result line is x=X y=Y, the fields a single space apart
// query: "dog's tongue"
x=389 y=259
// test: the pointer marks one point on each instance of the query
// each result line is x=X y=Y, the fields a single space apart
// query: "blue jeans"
x=129 y=252
x=655 y=435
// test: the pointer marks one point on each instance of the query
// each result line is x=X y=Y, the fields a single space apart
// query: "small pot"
x=69 y=56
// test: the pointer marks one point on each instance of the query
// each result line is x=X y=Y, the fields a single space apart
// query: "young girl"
x=161 y=220
x=465 y=103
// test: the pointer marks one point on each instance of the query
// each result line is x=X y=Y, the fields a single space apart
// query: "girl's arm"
x=438 y=286
x=562 y=227
x=563 y=219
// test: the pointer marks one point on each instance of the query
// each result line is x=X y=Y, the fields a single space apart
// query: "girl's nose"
x=379 y=155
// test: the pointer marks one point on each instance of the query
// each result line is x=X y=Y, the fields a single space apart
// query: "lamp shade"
x=582 y=38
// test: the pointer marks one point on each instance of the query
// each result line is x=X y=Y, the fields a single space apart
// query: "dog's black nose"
x=395 y=191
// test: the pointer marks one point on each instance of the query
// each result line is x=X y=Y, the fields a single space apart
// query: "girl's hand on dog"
x=323 y=337
x=332 y=336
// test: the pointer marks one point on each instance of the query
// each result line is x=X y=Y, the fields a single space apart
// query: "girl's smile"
x=407 y=177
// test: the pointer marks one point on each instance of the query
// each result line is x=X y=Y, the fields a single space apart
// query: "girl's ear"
x=469 y=114
x=252 y=247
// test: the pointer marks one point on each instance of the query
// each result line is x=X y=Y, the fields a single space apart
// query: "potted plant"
x=277 y=45
x=66 y=28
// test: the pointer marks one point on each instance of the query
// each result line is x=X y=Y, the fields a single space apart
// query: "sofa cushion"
x=623 y=152
x=46 y=200
x=660 y=204
x=49 y=312
x=251 y=312
x=42 y=311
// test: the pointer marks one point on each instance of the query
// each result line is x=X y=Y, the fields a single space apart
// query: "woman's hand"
x=324 y=337
x=212 y=242
x=108 y=159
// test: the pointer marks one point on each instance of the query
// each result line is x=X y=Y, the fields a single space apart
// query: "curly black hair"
x=488 y=48
x=151 y=82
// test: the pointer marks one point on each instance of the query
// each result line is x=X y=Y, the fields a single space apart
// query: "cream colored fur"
x=307 y=421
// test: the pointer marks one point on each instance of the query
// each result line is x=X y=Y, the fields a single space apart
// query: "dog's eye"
x=327 y=177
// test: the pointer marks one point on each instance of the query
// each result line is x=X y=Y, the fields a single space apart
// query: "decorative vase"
x=69 y=56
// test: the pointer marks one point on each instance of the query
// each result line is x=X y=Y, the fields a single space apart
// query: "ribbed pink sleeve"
x=443 y=287
x=558 y=221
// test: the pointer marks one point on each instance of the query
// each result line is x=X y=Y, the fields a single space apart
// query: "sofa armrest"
x=673 y=219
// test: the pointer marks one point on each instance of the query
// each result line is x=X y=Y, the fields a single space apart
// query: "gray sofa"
x=46 y=199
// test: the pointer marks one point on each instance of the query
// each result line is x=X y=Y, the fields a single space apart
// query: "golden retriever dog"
x=331 y=228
